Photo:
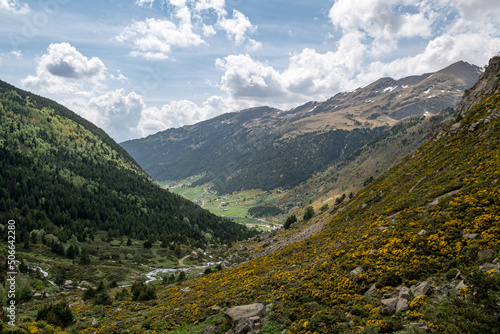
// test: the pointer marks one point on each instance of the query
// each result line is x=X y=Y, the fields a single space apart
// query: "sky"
x=136 y=67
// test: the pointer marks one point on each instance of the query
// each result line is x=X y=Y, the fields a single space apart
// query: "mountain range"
x=415 y=251
x=266 y=148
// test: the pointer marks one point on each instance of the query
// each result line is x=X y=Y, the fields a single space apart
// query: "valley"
x=397 y=234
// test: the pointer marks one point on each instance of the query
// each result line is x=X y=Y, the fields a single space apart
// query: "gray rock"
x=388 y=306
x=193 y=255
x=471 y=235
x=422 y=233
x=244 y=326
x=120 y=323
x=85 y=284
x=455 y=128
x=488 y=267
x=486 y=254
x=460 y=285
x=421 y=289
x=402 y=305
x=215 y=309
x=235 y=314
x=209 y=329
x=404 y=293
x=371 y=290
x=37 y=295
x=356 y=272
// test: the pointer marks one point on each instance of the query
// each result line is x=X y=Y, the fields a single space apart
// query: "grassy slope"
x=309 y=282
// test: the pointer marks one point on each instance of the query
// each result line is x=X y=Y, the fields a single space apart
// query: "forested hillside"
x=64 y=175
x=417 y=250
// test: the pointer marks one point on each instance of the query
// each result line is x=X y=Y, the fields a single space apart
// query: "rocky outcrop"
x=488 y=84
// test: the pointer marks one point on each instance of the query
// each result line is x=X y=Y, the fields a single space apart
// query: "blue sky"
x=136 y=67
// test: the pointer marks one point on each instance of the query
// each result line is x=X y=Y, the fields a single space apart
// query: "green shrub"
x=142 y=292
x=58 y=314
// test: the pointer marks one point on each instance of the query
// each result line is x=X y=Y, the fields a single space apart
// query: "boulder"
x=402 y=305
x=460 y=285
x=388 y=306
x=193 y=255
x=421 y=289
x=356 y=272
x=120 y=323
x=404 y=292
x=371 y=290
x=244 y=326
x=237 y=313
x=486 y=254
x=488 y=267
x=85 y=284
x=209 y=329
x=471 y=235
x=215 y=309
x=422 y=233
x=37 y=295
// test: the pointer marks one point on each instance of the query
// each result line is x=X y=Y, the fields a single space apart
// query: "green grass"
x=234 y=206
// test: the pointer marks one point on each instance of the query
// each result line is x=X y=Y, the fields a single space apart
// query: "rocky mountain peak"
x=487 y=84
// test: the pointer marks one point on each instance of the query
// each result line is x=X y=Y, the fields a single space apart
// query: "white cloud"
x=144 y=3
x=208 y=31
x=154 y=38
x=384 y=21
x=183 y=112
x=16 y=54
x=216 y=5
x=14 y=6
x=245 y=78
x=440 y=52
x=116 y=112
x=238 y=27
x=63 y=70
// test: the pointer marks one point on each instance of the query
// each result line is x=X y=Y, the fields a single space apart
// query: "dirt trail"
x=181 y=261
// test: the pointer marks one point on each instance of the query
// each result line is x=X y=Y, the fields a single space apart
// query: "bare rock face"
x=237 y=313
x=488 y=84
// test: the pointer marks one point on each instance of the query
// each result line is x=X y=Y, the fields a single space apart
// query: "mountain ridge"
x=230 y=148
